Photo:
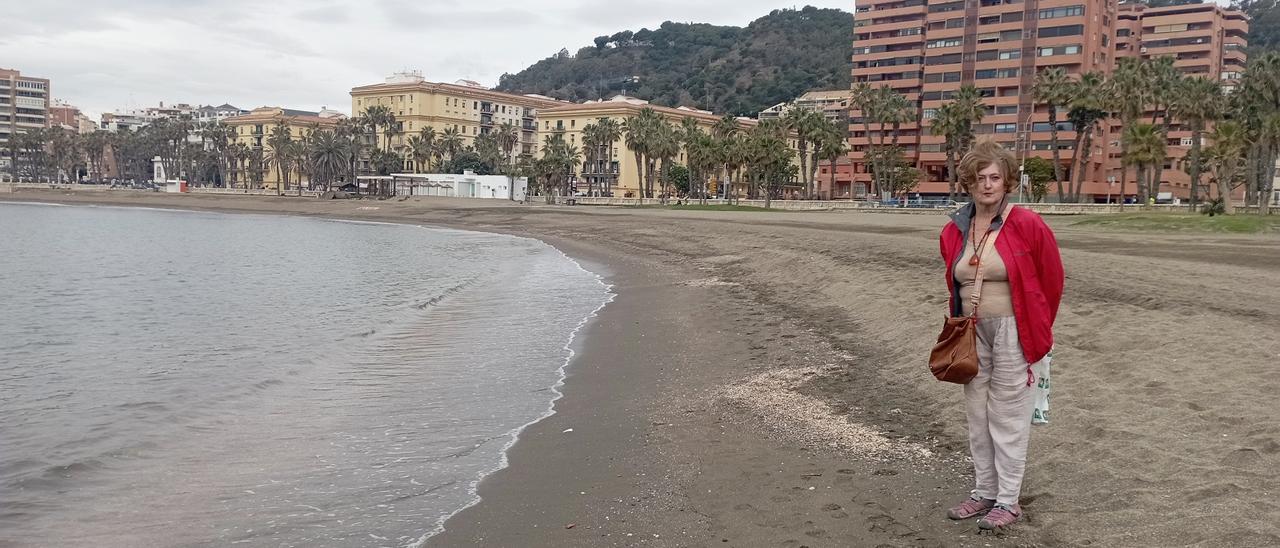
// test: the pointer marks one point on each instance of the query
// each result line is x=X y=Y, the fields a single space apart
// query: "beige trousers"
x=998 y=406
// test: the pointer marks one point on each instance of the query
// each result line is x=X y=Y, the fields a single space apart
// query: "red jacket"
x=1030 y=254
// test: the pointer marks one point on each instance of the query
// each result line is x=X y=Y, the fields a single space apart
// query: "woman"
x=1017 y=303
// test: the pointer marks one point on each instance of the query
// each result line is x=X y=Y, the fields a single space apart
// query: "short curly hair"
x=987 y=153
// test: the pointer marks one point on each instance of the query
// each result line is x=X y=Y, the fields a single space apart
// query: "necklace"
x=978 y=246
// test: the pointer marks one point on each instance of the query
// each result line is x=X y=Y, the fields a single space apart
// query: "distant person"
x=1016 y=304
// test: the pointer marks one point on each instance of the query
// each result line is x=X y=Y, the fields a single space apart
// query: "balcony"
x=529 y=126
x=486 y=119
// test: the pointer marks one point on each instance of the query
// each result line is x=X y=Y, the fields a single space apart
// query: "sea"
x=177 y=378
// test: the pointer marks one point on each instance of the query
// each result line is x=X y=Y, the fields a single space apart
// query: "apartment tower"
x=927 y=50
x=1206 y=41
x=24 y=105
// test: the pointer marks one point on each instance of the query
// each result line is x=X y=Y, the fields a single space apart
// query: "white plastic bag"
x=1040 y=410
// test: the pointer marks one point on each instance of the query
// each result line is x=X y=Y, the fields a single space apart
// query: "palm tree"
x=1198 y=102
x=1127 y=93
x=378 y=116
x=703 y=158
x=451 y=143
x=1052 y=88
x=769 y=158
x=664 y=149
x=301 y=162
x=888 y=108
x=559 y=159
x=327 y=154
x=1145 y=147
x=805 y=123
x=420 y=152
x=609 y=132
x=636 y=131
x=1165 y=81
x=947 y=123
x=1088 y=97
x=725 y=132
x=972 y=110
x=591 y=157
x=1225 y=157
x=278 y=142
x=832 y=145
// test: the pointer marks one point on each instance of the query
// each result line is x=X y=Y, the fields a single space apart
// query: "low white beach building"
x=466 y=185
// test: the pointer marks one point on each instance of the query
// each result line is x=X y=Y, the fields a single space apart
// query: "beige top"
x=997 y=300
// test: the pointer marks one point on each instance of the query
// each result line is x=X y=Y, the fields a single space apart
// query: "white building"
x=467 y=185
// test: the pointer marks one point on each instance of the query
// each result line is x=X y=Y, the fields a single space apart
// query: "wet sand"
x=760 y=381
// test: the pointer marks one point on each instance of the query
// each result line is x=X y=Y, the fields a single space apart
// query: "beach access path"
x=760 y=381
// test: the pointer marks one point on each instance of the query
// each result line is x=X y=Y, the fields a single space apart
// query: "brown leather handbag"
x=955 y=356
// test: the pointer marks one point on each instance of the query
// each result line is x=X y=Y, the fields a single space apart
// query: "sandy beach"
x=760 y=380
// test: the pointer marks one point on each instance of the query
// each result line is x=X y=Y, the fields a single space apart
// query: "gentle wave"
x=257 y=376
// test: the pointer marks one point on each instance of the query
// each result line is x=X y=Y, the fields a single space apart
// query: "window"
x=1230 y=75
x=1007 y=54
x=949 y=6
x=1121 y=33
x=948 y=59
x=1059 y=50
x=930 y=113
x=1045 y=126
x=955 y=23
x=1006 y=109
x=988 y=38
x=944 y=43
x=995 y=73
x=1068 y=11
x=1006 y=128
x=1161 y=29
x=1065 y=30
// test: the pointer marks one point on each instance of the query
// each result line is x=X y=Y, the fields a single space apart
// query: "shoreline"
x=723 y=321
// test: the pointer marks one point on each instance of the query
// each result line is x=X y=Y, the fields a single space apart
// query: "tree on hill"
x=736 y=70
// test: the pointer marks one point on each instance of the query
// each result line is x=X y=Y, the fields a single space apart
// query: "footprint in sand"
x=1242 y=458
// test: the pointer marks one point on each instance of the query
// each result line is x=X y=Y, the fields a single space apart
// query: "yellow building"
x=571 y=119
x=466 y=107
x=255 y=130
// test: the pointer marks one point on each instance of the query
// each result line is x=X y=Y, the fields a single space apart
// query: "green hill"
x=739 y=70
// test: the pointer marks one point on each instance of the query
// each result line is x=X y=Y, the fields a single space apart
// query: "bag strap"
x=990 y=244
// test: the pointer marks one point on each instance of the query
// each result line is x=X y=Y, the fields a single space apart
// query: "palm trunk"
x=951 y=171
x=1159 y=167
x=1083 y=160
x=1141 y=186
x=833 y=179
x=804 y=162
x=1224 y=190
x=1124 y=168
x=1057 y=154
x=1195 y=166
x=1268 y=181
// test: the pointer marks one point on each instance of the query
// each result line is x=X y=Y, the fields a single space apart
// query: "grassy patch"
x=709 y=207
x=1179 y=222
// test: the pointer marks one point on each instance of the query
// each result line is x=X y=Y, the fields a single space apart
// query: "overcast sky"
x=305 y=54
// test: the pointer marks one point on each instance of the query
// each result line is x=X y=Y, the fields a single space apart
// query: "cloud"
x=103 y=56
